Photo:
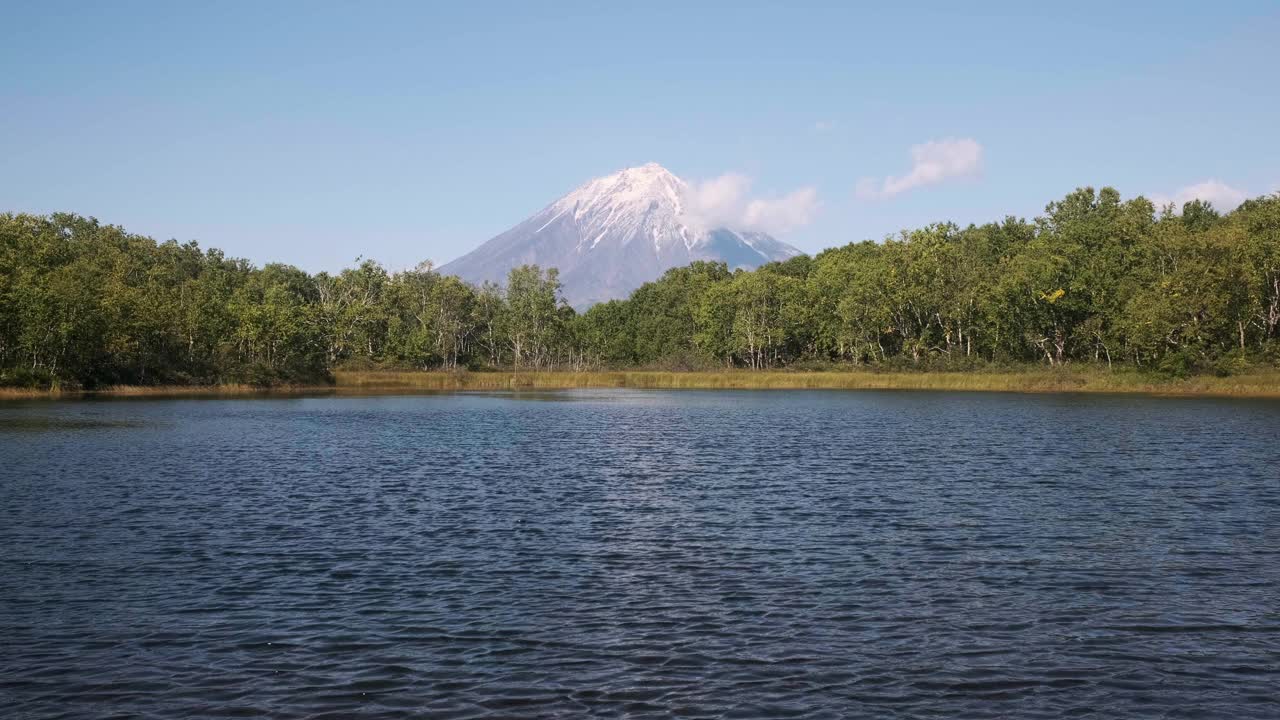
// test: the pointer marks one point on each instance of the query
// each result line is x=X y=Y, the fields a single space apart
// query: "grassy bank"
x=1259 y=383
x=1041 y=380
x=228 y=390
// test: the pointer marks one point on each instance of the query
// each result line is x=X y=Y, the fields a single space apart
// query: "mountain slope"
x=613 y=234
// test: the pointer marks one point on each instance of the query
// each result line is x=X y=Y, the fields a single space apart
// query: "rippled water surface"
x=641 y=554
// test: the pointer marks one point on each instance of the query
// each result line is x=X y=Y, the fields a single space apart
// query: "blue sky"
x=314 y=133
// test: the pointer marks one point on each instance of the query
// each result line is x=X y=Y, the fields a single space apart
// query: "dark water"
x=641 y=554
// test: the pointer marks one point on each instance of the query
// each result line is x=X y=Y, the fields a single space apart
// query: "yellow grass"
x=1259 y=384
x=229 y=390
x=22 y=393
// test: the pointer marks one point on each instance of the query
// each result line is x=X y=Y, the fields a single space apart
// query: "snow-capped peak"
x=644 y=201
x=614 y=233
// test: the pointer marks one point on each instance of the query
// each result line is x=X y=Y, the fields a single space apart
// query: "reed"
x=1263 y=383
x=166 y=390
x=10 y=393
x=1256 y=384
x=159 y=391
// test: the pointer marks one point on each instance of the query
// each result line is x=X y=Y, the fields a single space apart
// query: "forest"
x=1096 y=280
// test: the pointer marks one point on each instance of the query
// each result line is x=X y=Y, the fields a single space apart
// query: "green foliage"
x=1095 y=280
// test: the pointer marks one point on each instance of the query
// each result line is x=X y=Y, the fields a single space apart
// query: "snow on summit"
x=614 y=233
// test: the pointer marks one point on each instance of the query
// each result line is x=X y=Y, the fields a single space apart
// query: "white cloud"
x=779 y=215
x=1223 y=197
x=718 y=201
x=931 y=163
x=725 y=201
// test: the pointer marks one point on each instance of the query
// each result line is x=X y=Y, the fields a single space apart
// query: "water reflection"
x=641 y=554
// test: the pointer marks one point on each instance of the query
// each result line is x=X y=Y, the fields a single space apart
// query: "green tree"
x=533 y=321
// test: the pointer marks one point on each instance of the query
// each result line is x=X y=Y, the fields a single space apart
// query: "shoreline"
x=1257 y=384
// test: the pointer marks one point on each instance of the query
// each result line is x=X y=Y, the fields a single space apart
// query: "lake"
x=641 y=554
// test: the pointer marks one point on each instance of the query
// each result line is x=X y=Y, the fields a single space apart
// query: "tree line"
x=1095 y=280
